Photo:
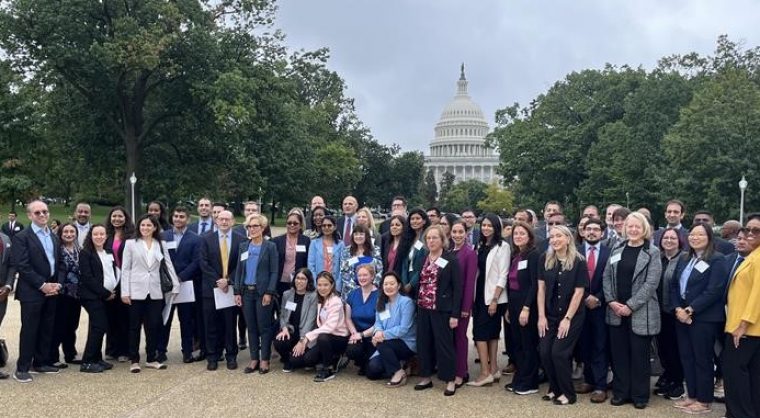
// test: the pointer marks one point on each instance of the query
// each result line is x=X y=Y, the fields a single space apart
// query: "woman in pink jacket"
x=322 y=346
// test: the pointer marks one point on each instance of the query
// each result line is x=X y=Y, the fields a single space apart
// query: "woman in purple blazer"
x=468 y=267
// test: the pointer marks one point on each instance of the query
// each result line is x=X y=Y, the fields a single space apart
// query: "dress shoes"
x=212 y=365
x=615 y=401
x=423 y=386
x=598 y=396
x=584 y=388
x=232 y=364
x=91 y=368
x=187 y=358
x=105 y=365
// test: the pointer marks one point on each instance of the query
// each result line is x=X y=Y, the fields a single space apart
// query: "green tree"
x=497 y=200
x=465 y=194
x=447 y=183
x=429 y=190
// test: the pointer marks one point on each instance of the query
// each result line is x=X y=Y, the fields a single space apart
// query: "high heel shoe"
x=423 y=386
x=448 y=392
x=398 y=383
x=496 y=376
x=487 y=381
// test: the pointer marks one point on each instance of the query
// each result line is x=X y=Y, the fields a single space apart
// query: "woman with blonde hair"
x=562 y=281
x=364 y=217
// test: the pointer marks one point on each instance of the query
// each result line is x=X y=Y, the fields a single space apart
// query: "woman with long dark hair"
x=315 y=226
x=68 y=308
x=468 y=270
x=158 y=209
x=391 y=244
x=359 y=253
x=119 y=228
x=414 y=257
x=298 y=315
x=325 y=250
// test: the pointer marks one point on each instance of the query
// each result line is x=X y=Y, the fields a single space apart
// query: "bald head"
x=730 y=229
x=225 y=221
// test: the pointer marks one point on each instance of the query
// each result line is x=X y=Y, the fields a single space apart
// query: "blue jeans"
x=259 y=320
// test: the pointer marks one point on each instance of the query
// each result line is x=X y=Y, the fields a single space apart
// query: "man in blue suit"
x=218 y=268
x=184 y=250
x=7 y=275
x=593 y=342
x=205 y=220
x=36 y=255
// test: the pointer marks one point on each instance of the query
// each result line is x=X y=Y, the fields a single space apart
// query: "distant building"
x=459 y=143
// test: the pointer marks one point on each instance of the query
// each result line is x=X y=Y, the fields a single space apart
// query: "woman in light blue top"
x=395 y=333
x=325 y=251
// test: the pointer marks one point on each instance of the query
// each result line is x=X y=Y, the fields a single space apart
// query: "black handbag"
x=166 y=278
x=3 y=353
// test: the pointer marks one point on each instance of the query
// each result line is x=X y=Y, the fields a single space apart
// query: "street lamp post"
x=742 y=188
x=132 y=182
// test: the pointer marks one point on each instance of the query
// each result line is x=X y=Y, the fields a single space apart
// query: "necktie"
x=347 y=232
x=203 y=227
x=591 y=262
x=738 y=262
x=225 y=255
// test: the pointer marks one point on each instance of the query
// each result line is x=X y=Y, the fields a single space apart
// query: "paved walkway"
x=188 y=390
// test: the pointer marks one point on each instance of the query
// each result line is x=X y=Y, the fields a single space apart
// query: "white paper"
x=522 y=265
x=300 y=248
x=224 y=300
x=171 y=245
x=418 y=245
x=244 y=256
x=615 y=258
x=186 y=292
x=353 y=261
x=701 y=266
x=169 y=300
x=442 y=263
x=384 y=315
x=291 y=306
x=329 y=250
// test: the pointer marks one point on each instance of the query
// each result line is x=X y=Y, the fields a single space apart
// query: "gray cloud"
x=400 y=59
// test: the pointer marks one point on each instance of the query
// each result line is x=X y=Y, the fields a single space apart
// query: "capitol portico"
x=459 y=143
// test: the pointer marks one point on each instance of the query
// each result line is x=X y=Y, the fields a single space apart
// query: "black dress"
x=484 y=326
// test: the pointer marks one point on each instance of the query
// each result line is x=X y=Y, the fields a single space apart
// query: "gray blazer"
x=7 y=274
x=308 y=312
x=266 y=271
x=645 y=319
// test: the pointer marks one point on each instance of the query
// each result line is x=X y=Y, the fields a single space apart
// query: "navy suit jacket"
x=186 y=257
x=29 y=259
x=196 y=227
x=724 y=247
x=266 y=270
x=6 y=229
x=211 y=260
x=302 y=257
x=7 y=274
x=595 y=287
x=704 y=291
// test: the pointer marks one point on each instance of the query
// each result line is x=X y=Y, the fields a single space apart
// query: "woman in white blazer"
x=490 y=298
x=141 y=289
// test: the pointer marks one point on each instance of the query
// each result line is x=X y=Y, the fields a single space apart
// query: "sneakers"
x=578 y=371
x=287 y=368
x=342 y=363
x=525 y=391
x=22 y=377
x=122 y=359
x=155 y=365
x=45 y=370
x=718 y=391
x=675 y=392
x=134 y=368
x=324 y=375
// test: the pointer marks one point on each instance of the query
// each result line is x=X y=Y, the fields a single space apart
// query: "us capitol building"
x=459 y=143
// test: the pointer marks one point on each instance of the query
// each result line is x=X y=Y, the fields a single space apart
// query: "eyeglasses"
x=40 y=212
x=253 y=226
x=328 y=226
x=754 y=231
x=293 y=223
x=700 y=235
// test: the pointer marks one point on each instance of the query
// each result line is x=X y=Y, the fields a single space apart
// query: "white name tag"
x=8 y=245
x=329 y=250
x=384 y=315
x=291 y=306
x=615 y=258
x=441 y=263
x=171 y=245
x=300 y=248
x=701 y=266
x=418 y=245
x=353 y=261
x=522 y=265
x=244 y=256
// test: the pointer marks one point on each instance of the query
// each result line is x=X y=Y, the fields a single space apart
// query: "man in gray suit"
x=6 y=281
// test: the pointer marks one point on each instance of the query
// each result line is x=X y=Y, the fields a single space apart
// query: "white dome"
x=461 y=119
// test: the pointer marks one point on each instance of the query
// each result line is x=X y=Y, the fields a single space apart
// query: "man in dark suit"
x=206 y=221
x=398 y=207
x=706 y=217
x=6 y=281
x=470 y=222
x=184 y=250
x=218 y=262
x=551 y=207
x=12 y=227
x=555 y=219
x=593 y=339
x=251 y=208
x=675 y=210
x=35 y=255
x=347 y=221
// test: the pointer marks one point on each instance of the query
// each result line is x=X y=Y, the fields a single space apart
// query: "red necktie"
x=591 y=262
x=347 y=232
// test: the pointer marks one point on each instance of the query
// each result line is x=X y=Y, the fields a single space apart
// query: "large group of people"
x=397 y=300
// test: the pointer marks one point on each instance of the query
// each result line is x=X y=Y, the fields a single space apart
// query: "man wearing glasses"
x=35 y=256
x=398 y=207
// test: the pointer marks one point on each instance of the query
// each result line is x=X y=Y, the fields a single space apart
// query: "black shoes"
x=46 y=370
x=423 y=386
x=639 y=405
x=22 y=377
x=232 y=364
x=105 y=365
x=615 y=401
x=187 y=358
x=91 y=368
x=212 y=365
x=323 y=375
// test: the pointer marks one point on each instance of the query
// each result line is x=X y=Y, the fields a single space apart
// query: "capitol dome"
x=459 y=143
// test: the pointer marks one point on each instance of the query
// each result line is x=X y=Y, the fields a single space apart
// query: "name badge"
x=300 y=248
x=441 y=263
x=291 y=306
x=522 y=265
x=701 y=266
x=418 y=245
x=8 y=245
x=171 y=245
x=329 y=250
x=615 y=258
x=244 y=256
x=353 y=261
x=384 y=315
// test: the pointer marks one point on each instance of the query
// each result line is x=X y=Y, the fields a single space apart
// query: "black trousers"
x=390 y=354
x=117 y=336
x=199 y=332
x=220 y=331
x=667 y=348
x=435 y=344
x=241 y=324
x=593 y=348
x=695 y=343
x=67 y=313
x=360 y=352
x=144 y=314
x=98 y=325
x=557 y=355
x=741 y=377
x=186 y=314
x=524 y=345
x=37 y=320
x=326 y=351
x=285 y=347
x=630 y=363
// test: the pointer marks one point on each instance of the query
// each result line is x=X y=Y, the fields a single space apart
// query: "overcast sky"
x=400 y=58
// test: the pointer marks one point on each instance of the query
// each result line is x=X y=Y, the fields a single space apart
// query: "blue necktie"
x=203 y=227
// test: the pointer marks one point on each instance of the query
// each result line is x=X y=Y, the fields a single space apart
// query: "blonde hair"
x=572 y=253
x=371 y=218
x=369 y=267
x=644 y=224
x=441 y=233
x=262 y=219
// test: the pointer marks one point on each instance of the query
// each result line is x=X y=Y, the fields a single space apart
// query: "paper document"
x=224 y=300
x=186 y=293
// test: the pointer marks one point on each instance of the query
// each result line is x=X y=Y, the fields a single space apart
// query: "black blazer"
x=91 y=276
x=448 y=294
x=302 y=257
x=29 y=259
x=211 y=260
x=704 y=291
x=342 y=223
x=6 y=228
x=596 y=287
x=569 y=280
x=528 y=279
x=385 y=248
x=7 y=274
